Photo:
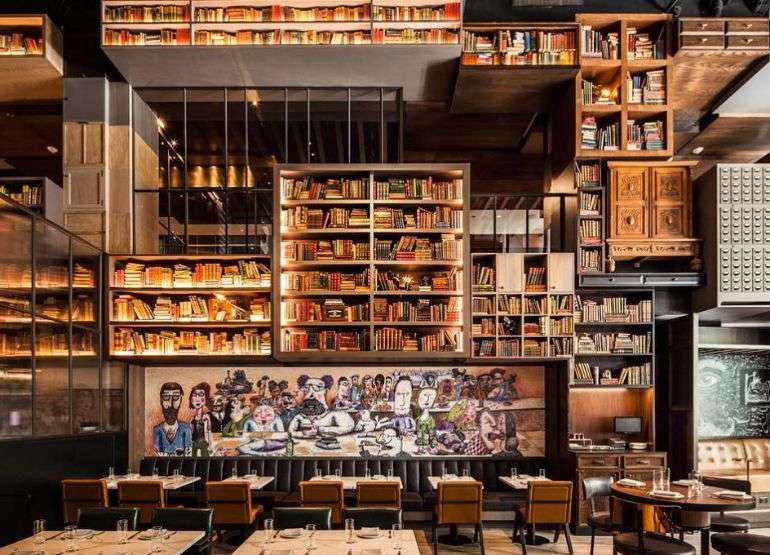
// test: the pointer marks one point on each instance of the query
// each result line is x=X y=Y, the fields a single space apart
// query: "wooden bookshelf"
x=206 y=306
x=612 y=102
x=515 y=317
x=591 y=224
x=385 y=308
x=38 y=194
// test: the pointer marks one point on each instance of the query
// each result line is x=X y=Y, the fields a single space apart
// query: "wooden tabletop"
x=521 y=482
x=350 y=482
x=331 y=541
x=435 y=480
x=106 y=543
x=169 y=482
x=255 y=482
x=706 y=500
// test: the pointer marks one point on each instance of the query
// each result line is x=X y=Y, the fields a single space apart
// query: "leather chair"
x=231 y=501
x=738 y=543
x=548 y=502
x=378 y=493
x=188 y=519
x=380 y=517
x=323 y=493
x=458 y=503
x=92 y=518
x=640 y=542
x=82 y=494
x=598 y=488
x=298 y=517
x=722 y=522
x=145 y=495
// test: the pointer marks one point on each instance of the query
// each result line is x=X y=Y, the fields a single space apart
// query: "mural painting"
x=377 y=412
x=733 y=391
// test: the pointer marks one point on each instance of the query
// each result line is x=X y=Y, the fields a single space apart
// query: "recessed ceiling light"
x=52 y=149
x=697 y=150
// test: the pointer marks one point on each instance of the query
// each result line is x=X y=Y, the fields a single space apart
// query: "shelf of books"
x=38 y=194
x=591 y=231
x=372 y=261
x=615 y=344
x=622 y=88
x=190 y=306
x=520 y=44
x=271 y=22
x=522 y=305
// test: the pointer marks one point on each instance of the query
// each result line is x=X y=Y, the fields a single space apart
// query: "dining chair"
x=548 y=502
x=106 y=518
x=81 y=494
x=721 y=521
x=458 y=503
x=374 y=517
x=188 y=519
x=324 y=493
x=597 y=488
x=231 y=501
x=145 y=495
x=298 y=517
x=378 y=493
x=739 y=543
x=641 y=542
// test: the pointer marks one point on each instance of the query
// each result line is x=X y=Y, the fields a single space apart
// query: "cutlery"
x=54 y=536
x=132 y=536
x=170 y=534
x=276 y=534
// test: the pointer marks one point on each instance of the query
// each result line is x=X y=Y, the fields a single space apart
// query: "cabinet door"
x=629 y=195
x=671 y=206
x=561 y=271
x=510 y=273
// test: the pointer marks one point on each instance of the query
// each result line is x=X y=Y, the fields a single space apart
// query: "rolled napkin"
x=370 y=531
x=732 y=494
x=630 y=482
x=685 y=483
x=666 y=494
x=371 y=552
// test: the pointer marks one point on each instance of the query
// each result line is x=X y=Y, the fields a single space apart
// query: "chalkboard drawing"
x=756 y=387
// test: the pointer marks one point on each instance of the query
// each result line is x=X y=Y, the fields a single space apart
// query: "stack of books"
x=416 y=36
x=587 y=174
x=312 y=188
x=450 y=11
x=589 y=131
x=590 y=232
x=299 y=340
x=29 y=195
x=590 y=204
x=321 y=282
x=17 y=44
x=146 y=14
x=652 y=132
x=416 y=188
x=535 y=279
x=609 y=137
x=598 y=45
x=654 y=87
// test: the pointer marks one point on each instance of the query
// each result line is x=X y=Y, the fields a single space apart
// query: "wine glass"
x=122 y=529
x=268 y=530
x=350 y=526
x=38 y=530
x=515 y=472
x=396 y=536
x=310 y=532
x=157 y=538
x=70 y=532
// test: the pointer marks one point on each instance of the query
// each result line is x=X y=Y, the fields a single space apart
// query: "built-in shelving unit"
x=522 y=305
x=38 y=194
x=373 y=261
x=591 y=230
x=208 y=306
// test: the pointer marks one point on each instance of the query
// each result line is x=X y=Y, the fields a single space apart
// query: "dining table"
x=169 y=482
x=105 y=543
x=706 y=500
x=255 y=482
x=329 y=541
x=351 y=482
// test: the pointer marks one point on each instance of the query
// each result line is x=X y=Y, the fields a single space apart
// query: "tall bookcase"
x=38 y=194
x=522 y=305
x=173 y=307
x=626 y=63
x=591 y=216
x=373 y=261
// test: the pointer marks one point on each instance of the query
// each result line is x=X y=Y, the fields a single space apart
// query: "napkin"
x=279 y=552
x=685 y=483
x=370 y=531
x=630 y=482
x=371 y=552
x=731 y=494
x=291 y=533
x=666 y=494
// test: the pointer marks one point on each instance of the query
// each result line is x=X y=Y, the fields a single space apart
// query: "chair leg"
x=523 y=540
x=568 y=538
x=435 y=539
x=593 y=538
x=481 y=537
x=476 y=533
x=556 y=534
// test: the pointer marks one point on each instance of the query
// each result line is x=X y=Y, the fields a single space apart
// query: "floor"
x=498 y=542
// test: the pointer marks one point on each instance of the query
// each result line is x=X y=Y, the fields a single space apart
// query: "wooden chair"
x=82 y=494
x=723 y=522
x=597 y=488
x=323 y=493
x=231 y=501
x=145 y=495
x=378 y=494
x=458 y=503
x=548 y=502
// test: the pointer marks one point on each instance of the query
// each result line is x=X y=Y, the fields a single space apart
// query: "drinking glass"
x=466 y=473
x=515 y=472
x=667 y=480
x=157 y=538
x=310 y=532
x=367 y=473
x=443 y=473
x=350 y=526
x=175 y=474
x=268 y=530
x=70 y=532
x=390 y=473
x=128 y=472
x=38 y=530
x=111 y=473
x=338 y=473
x=542 y=473
x=657 y=479
x=396 y=536
x=122 y=530
x=234 y=473
x=155 y=472
x=318 y=472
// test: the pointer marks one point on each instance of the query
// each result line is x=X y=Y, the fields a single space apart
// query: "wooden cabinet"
x=510 y=273
x=720 y=33
x=561 y=271
x=650 y=212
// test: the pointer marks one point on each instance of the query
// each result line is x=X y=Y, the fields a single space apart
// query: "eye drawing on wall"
x=756 y=387
x=367 y=412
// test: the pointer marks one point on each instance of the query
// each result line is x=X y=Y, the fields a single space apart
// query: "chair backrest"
x=597 y=487
x=106 y=518
x=549 y=502
x=81 y=494
x=378 y=493
x=185 y=519
x=231 y=501
x=297 y=517
x=145 y=495
x=459 y=502
x=727 y=483
x=379 y=517
x=323 y=493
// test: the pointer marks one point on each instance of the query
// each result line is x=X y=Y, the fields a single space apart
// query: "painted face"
x=198 y=399
x=170 y=401
x=343 y=389
x=315 y=388
x=403 y=397
x=287 y=401
x=264 y=414
x=426 y=398
x=217 y=403
x=237 y=409
x=367 y=381
x=492 y=430
x=354 y=380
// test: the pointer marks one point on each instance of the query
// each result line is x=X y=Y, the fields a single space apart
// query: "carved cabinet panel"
x=628 y=199
x=670 y=202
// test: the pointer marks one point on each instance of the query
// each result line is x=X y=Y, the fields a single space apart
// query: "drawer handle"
x=704 y=25
x=747 y=41
x=748 y=25
x=630 y=220
x=704 y=40
x=600 y=461
x=643 y=461
x=669 y=219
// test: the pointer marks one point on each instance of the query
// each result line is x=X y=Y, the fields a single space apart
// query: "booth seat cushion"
x=721 y=457
x=758 y=453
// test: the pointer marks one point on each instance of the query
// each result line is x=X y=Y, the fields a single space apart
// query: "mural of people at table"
x=373 y=411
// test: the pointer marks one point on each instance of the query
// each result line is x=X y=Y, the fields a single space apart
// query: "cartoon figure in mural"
x=369 y=393
x=446 y=392
x=387 y=389
x=366 y=424
x=218 y=413
x=276 y=389
x=314 y=418
x=342 y=400
x=239 y=415
x=288 y=408
x=266 y=431
x=490 y=439
x=237 y=385
x=425 y=423
x=503 y=389
x=172 y=437
x=201 y=420
x=403 y=422
x=356 y=391
x=262 y=384
x=428 y=380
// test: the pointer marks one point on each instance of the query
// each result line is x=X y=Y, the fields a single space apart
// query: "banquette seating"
x=738 y=459
x=417 y=494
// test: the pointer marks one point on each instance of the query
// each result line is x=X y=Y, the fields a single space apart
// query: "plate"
x=291 y=533
x=150 y=534
x=368 y=533
x=83 y=532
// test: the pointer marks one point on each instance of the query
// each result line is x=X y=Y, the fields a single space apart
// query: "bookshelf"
x=591 y=231
x=287 y=22
x=623 y=87
x=373 y=261
x=207 y=306
x=522 y=305
x=38 y=194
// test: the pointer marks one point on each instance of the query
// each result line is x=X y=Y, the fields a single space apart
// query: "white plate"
x=368 y=534
x=291 y=533
x=150 y=535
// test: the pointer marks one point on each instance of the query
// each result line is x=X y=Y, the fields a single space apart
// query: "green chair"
x=98 y=518
x=298 y=517
x=383 y=518
x=186 y=520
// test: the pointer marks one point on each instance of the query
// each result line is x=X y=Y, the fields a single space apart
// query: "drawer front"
x=710 y=42
x=686 y=281
x=589 y=280
x=748 y=26
x=752 y=42
x=641 y=474
x=644 y=461
x=702 y=26
x=598 y=461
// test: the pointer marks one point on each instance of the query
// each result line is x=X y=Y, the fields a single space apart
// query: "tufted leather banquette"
x=740 y=459
x=417 y=494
